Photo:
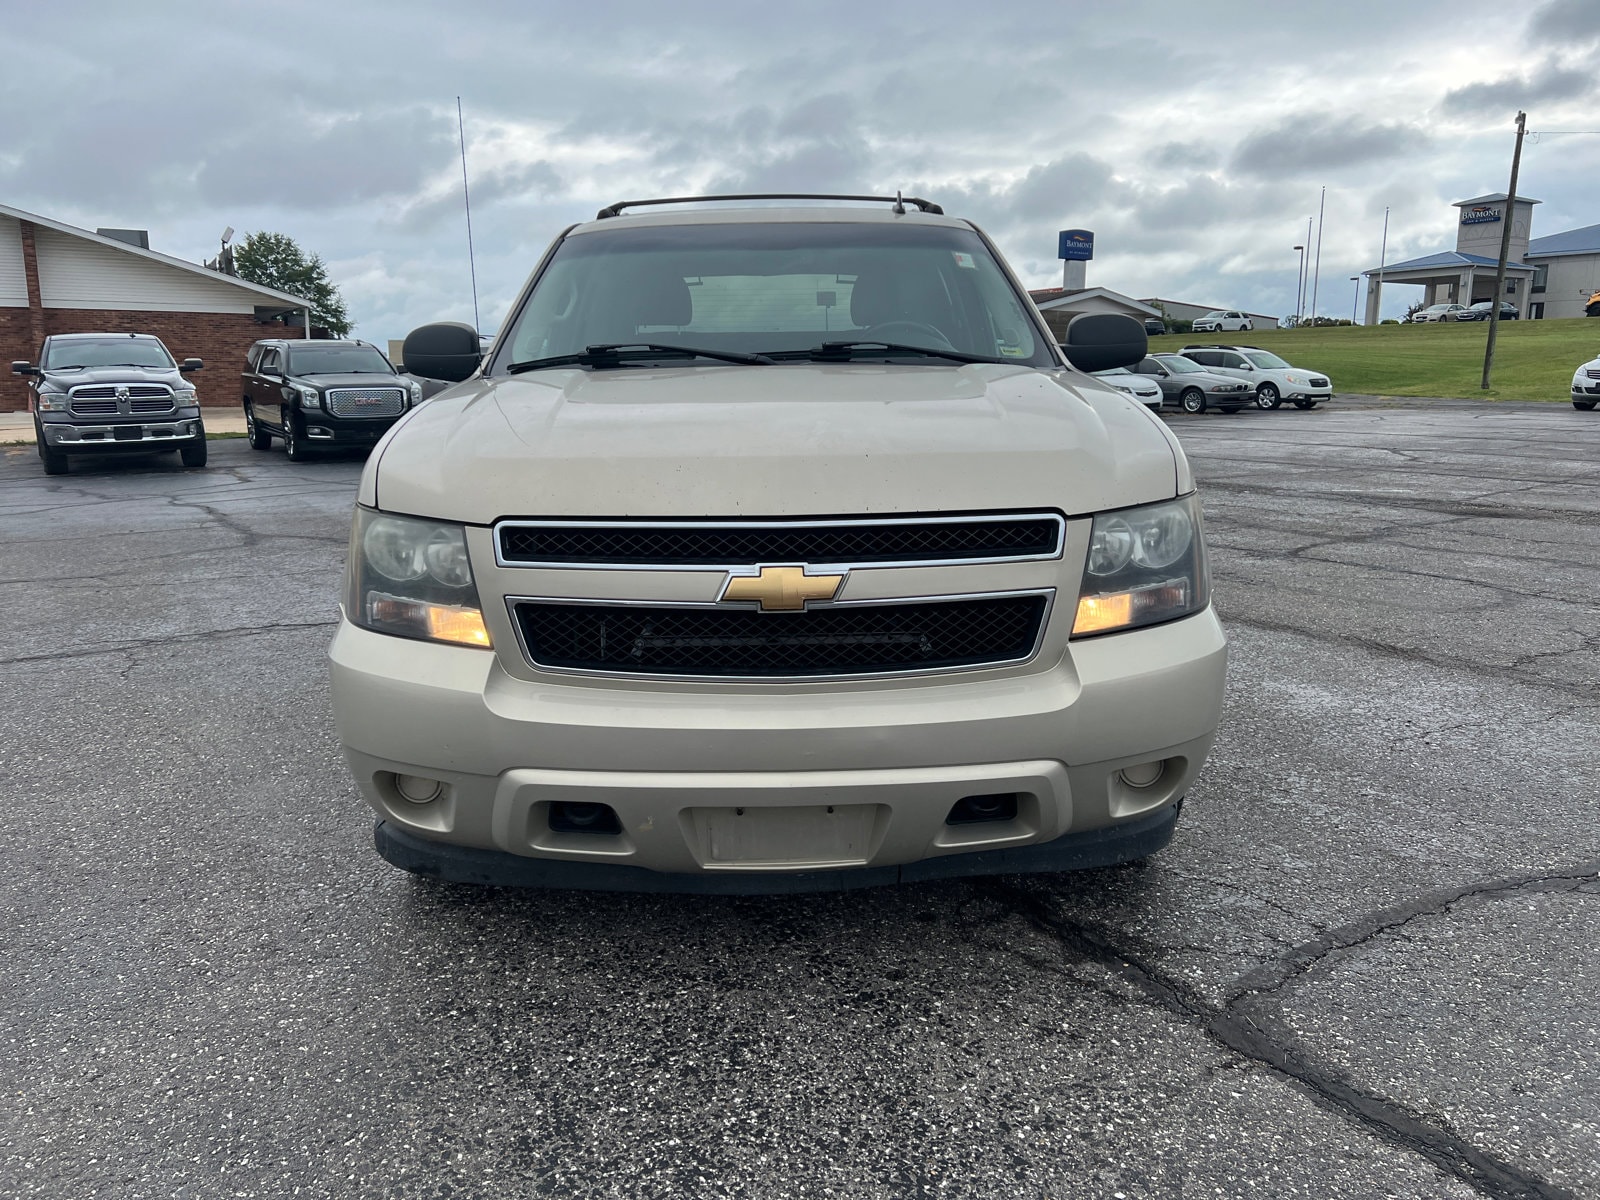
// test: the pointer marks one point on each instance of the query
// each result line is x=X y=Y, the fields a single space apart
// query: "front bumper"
x=76 y=434
x=767 y=783
x=1585 y=389
x=332 y=431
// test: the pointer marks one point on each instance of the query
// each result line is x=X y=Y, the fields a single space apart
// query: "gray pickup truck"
x=99 y=393
x=322 y=394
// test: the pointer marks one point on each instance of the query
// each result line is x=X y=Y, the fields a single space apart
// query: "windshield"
x=336 y=360
x=774 y=288
x=109 y=352
x=1181 y=366
x=1213 y=316
x=1266 y=359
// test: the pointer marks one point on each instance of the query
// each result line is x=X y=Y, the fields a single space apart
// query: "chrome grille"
x=1004 y=537
x=150 y=404
x=93 y=408
x=366 y=402
x=724 y=643
x=1593 y=372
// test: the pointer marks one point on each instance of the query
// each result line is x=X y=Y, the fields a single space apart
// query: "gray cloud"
x=1548 y=82
x=1323 y=144
x=1567 y=23
x=1181 y=155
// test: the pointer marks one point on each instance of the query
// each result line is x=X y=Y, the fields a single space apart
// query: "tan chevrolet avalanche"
x=774 y=547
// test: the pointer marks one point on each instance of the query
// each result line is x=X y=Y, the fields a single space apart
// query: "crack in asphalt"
x=174 y=640
x=1239 y=1025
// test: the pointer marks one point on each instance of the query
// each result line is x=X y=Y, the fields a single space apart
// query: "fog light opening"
x=1143 y=775
x=571 y=816
x=418 y=789
x=991 y=806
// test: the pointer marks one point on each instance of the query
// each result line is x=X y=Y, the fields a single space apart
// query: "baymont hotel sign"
x=1479 y=214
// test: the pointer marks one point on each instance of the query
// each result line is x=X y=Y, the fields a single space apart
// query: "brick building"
x=56 y=278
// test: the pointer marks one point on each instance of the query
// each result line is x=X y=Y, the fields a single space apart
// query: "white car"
x=1223 y=322
x=1586 y=385
x=1146 y=391
x=1274 y=380
x=1443 y=312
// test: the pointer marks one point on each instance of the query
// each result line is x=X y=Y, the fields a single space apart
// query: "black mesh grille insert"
x=734 y=544
x=849 y=640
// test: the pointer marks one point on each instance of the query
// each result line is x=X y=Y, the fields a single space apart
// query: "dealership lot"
x=1365 y=967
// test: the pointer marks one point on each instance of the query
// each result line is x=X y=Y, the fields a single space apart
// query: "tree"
x=275 y=260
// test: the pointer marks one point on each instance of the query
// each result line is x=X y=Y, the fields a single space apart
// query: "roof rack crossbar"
x=927 y=206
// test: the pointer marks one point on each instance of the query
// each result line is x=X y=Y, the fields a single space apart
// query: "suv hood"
x=72 y=377
x=364 y=379
x=788 y=440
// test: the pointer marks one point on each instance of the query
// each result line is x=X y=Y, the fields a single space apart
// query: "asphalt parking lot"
x=1368 y=966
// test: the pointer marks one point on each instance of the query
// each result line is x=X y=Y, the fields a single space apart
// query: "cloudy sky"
x=1193 y=138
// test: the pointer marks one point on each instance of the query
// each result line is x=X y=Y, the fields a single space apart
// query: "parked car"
x=315 y=393
x=686 y=587
x=1222 y=322
x=1586 y=385
x=1480 y=311
x=1190 y=386
x=112 y=393
x=1154 y=325
x=1440 y=312
x=1272 y=379
x=1140 y=388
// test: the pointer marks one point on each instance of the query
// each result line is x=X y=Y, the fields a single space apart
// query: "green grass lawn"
x=1533 y=360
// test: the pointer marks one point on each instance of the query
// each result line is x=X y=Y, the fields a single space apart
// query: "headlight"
x=52 y=402
x=186 y=396
x=1292 y=378
x=308 y=396
x=416 y=392
x=412 y=578
x=1145 y=565
x=1224 y=387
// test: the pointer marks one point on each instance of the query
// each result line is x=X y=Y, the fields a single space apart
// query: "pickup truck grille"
x=879 y=542
x=366 y=402
x=100 y=399
x=722 y=643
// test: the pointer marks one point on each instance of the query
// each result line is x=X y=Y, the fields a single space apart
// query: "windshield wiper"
x=614 y=354
x=845 y=351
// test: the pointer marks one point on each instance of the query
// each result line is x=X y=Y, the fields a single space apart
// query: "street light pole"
x=1505 y=250
x=1299 y=274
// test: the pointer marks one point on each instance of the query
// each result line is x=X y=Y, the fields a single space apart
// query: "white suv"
x=1273 y=379
x=774 y=549
x=1223 y=322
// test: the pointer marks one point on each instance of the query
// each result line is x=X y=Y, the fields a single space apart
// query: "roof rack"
x=899 y=202
x=1220 y=346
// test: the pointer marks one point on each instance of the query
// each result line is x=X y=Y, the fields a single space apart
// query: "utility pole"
x=1317 y=273
x=1299 y=274
x=1505 y=252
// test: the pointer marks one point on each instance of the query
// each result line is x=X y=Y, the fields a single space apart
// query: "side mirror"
x=1100 y=341
x=447 y=350
x=24 y=368
x=191 y=364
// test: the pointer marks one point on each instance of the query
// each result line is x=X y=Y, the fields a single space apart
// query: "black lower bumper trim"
x=465 y=864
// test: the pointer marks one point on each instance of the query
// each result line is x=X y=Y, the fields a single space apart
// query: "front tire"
x=55 y=461
x=293 y=438
x=1193 y=400
x=1305 y=405
x=1267 y=396
x=1585 y=405
x=193 y=452
x=260 y=439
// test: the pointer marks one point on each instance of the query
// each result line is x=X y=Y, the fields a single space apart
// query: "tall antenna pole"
x=466 y=197
x=1316 y=274
x=1505 y=252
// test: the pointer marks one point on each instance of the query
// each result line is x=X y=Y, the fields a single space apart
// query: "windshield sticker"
x=1012 y=351
x=964 y=260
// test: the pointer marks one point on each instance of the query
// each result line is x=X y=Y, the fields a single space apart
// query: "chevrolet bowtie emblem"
x=782 y=589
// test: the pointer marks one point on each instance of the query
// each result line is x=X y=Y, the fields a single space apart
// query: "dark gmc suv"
x=322 y=393
x=98 y=393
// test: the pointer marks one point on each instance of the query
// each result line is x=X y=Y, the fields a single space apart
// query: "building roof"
x=1446 y=258
x=1573 y=241
x=1047 y=298
x=261 y=293
x=1495 y=198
